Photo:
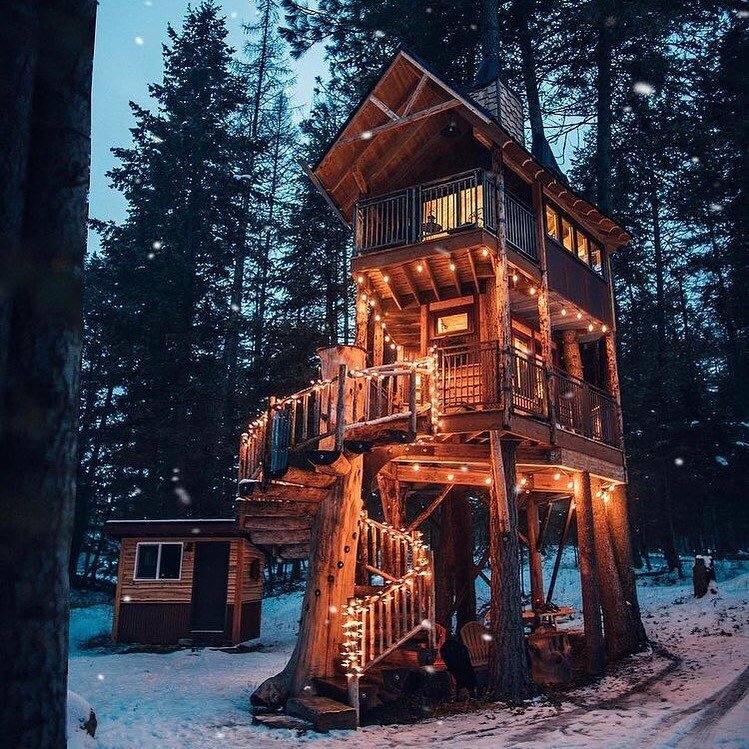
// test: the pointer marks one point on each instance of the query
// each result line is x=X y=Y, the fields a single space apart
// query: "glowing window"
x=567 y=235
x=582 y=246
x=552 y=223
x=456 y=322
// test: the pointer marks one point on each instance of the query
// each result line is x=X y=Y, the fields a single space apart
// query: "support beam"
x=595 y=652
x=508 y=666
x=534 y=555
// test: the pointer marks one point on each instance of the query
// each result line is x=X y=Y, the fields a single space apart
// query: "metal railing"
x=473 y=377
x=441 y=208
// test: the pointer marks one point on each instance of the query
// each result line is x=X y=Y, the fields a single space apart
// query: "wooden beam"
x=424 y=514
x=472 y=263
x=432 y=280
x=411 y=283
x=415 y=94
x=384 y=108
x=415 y=117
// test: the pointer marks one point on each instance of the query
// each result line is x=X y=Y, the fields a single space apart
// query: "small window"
x=567 y=235
x=451 y=323
x=158 y=561
x=596 y=258
x=552 y=223
x=581 y=242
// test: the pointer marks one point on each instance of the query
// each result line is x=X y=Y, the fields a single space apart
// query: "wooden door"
x=209 y=583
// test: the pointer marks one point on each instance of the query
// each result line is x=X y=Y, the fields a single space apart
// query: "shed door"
x=210 y=578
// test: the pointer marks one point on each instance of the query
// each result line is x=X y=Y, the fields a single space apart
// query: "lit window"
x=453 y=323
x=158 y=561
x=552 y=222
x=567 y=235
x=582 y=246
x=596 y=258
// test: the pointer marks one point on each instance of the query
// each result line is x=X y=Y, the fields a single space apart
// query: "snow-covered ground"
x=692 y=691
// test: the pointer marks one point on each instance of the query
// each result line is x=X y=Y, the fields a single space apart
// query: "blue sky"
x=129 y=38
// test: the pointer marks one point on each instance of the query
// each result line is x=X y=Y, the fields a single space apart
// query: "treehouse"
x=484 y=365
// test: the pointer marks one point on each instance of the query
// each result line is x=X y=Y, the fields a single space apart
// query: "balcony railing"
x=473 y=377
x=441 y=209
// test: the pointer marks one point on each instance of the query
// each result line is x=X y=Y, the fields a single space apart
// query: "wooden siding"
x=180 y=591
x=575 y=282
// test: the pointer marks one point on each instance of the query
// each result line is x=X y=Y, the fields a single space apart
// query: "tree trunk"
x=462 y=522
x=617 y=514
x=595 y=653
x=330 y=583
x=46 y=61
x=619 y=637
x=508 y=665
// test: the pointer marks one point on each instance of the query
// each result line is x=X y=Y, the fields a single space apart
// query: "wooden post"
x=571 y=353
x=534 y=555
x=391 y=497
x=508 y=667
x=361 y=321
x=617 y=515
x=236 y=613
x=330 y=583
x=595 y=653
x=502 y=291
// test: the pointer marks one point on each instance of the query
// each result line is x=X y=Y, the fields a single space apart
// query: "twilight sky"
x=128 y=57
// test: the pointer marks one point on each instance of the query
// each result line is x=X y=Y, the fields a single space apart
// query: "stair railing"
x=376 y=625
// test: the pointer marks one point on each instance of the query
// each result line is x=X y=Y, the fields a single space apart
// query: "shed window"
x=158 y=561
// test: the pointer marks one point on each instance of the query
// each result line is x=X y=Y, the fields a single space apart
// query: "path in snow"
x=691 y=691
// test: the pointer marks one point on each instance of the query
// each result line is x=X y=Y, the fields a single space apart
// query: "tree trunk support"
x=595 y=652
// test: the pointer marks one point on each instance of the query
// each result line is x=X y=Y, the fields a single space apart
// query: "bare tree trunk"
x=46 y=52
x=595 y=654
x=508 y=663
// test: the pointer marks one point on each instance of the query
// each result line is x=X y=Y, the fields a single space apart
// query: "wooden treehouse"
x=484 y=363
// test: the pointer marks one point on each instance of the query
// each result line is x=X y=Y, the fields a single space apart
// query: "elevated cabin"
x=484 y=365
x=196 y=580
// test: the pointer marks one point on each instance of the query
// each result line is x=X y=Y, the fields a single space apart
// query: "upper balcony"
x=440 y=209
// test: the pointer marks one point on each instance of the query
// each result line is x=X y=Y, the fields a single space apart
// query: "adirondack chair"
x=475 y=637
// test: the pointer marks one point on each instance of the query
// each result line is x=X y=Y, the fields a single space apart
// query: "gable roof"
x=409 y=91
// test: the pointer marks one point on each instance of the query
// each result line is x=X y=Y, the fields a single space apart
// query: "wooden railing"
x=441 y=208
x=327 y=410
x=376 y=625
x=474 y=376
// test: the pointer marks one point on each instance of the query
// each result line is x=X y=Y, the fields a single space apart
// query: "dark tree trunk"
x=508 y=665
x=46 y=52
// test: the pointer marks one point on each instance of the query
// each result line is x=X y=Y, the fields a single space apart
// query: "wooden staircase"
x=291 y=455
x=382 y=618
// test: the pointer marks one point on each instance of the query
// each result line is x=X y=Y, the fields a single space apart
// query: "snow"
x=691 y=690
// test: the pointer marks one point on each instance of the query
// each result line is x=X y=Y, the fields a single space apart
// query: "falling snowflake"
x=139 y=41
x=644 y=88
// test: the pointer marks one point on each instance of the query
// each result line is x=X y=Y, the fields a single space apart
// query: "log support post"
x=534 y=555
x=573 y=361
x=508 y=665
x=595 y=653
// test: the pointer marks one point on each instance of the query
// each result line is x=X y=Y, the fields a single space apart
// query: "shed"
x=200 y=580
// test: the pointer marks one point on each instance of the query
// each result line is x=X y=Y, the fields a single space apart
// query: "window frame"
x=158 y=579
x=592 y=242
x=466 y=309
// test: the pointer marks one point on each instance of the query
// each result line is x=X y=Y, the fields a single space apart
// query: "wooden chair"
x=474 y=637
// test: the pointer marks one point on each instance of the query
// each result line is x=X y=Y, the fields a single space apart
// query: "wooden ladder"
x=376 y=625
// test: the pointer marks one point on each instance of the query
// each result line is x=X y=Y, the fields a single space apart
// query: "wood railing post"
x=340 y=408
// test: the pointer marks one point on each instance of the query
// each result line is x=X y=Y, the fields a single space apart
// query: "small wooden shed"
x=200 y=580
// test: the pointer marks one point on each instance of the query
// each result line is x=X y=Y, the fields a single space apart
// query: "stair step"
x=324 y=713
x=279 y=720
